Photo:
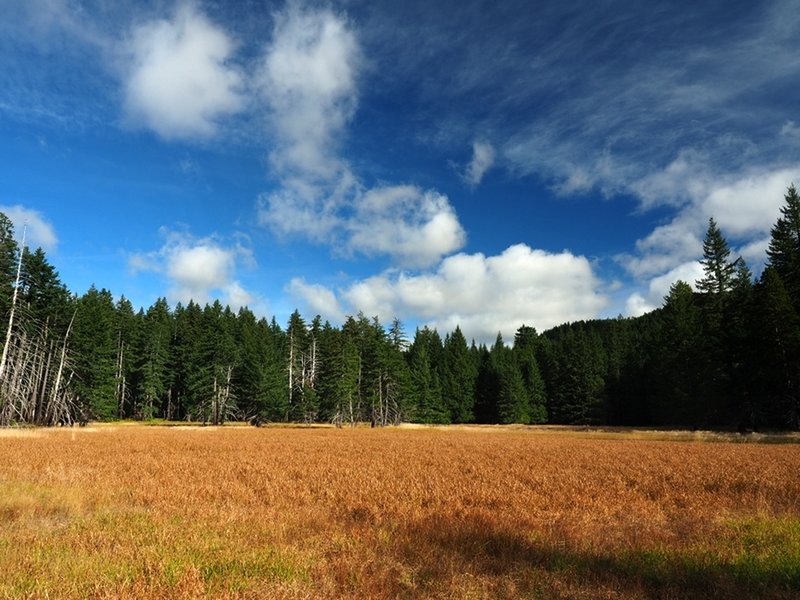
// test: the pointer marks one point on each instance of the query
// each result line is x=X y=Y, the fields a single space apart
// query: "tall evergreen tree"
x=94 y=346
x=155 y=343
x=296 y=355
x=779 y=349
x=679 y=364
x=458 y=378
x=127 y=335
x=429 y=405
x=784 y=246
x=720 y=276
x=718 y=270
x=525 y=342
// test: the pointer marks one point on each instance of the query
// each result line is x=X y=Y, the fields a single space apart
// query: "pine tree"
x=525 y=342
x=720 y=277
x=458 y=378
x=94 y=347
x=127 y=334
x=8 y=266
x=153 y=360
x=487 y=387
x=779 y=351
x=188 y=376
x=426 y=384
x=680 y=361
x=784 y=245
x=297 y=346
x=718 y=271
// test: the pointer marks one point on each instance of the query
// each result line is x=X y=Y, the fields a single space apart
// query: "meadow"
x=133 y=511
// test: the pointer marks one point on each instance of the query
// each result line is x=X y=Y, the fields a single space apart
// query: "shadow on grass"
x=441 y=548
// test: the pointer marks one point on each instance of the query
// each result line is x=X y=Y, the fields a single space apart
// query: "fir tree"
x=718 y=271
x=784 y=245
x=458 y=378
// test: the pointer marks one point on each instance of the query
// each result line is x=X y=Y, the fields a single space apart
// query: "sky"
x=465 y=163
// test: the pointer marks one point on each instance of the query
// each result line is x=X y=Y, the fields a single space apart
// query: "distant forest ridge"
x=724 y=356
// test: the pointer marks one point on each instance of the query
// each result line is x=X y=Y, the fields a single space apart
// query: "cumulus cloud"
x=483 y=294
x=483 y=156
x=308 y=79
x=38 y=230
x=639 y=303
x=744 y=207
x=178 y=80
x=319 y=299
x=199 y=269
x=415 y=227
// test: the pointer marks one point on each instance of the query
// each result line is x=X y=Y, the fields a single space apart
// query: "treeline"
x=727 y=355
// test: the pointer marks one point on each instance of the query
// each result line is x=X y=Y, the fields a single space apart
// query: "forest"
x=723 y=354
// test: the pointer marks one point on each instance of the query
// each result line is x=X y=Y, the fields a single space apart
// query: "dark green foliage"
x=525 y=348
x=718 y=270
x=458 y=378
x=94 y=345
x=726 y=355
x=8 y=266
x=784 y=245
x=779 y=349
x=155 y=340
x=680 y=367
x=576 y=368
x=428 y=404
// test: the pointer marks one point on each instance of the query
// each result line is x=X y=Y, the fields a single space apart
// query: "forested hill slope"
x=725 y=355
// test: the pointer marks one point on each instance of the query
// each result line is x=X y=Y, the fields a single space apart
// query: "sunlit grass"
x=239 y=512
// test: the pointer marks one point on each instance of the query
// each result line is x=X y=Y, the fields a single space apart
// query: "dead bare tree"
x=29 y=391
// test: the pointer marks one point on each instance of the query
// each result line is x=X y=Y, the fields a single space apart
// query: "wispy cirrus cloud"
x=38 y=230
x=483 y=157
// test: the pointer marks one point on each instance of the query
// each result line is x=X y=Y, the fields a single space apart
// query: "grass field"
x=129 y=511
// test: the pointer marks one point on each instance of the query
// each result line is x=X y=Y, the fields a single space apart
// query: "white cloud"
x=415 y=227
x=199 y=269
x=308 y=79
x=319 y=299
x=749 y=205
x=178 y=79
x=237 y=297
x=658 y=288
x=482 y=294
x=483 y=156
x=39 y=231
x=745 y=208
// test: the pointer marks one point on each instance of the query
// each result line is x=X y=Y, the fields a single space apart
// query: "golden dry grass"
x=237 y=512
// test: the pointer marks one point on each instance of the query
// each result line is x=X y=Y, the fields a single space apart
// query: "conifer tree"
x=155 y=341
x=94 y=345
x=458 y=378
x=718 y=271
x=525 y=342
x=429 y=406
x=779 y=349
x=784 y=245
x=127 y=335
x=679 y=364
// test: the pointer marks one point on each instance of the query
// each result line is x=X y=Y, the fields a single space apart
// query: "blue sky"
x=440 y=162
